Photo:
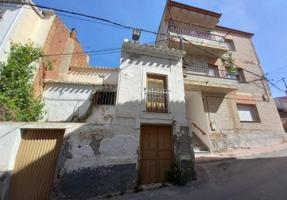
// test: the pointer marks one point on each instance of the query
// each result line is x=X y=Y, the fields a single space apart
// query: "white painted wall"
x=197 y=115
x=21 y=25
x=132 y=84
x=73 y=96
x=95 y=76
x=62 y=101
x=119 y=149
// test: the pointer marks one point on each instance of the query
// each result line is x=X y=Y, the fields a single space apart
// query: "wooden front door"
x=35 y=164
x=156 y=153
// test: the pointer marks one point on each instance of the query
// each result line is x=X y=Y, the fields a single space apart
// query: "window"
x=230 y=44
x=248 y=113
x=241 y=77
x=156 y=94
x=105 y=98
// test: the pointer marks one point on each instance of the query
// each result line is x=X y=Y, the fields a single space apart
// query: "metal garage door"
x=35 y=163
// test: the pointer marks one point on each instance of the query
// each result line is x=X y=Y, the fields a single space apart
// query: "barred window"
x=105 y=98
x=156 y=94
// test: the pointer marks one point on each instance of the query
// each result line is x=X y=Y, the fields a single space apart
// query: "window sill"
x=251 y=122
x=156 y=115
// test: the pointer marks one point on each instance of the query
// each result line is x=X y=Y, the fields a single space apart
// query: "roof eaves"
x=192 y=8
x=99 y=68
x=231 y=30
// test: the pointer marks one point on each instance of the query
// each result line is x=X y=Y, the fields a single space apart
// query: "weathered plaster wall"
x=136 y=63
x=24 y=20
x=221 y=111
x=102 y=114
x=231 y=133
x=97 y=76
x=94 y=160
x=71 y=99
x=101 y=156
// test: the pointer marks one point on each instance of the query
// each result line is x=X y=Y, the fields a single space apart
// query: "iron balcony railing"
x=209 y=71
x=195 y=33
x=156 y=100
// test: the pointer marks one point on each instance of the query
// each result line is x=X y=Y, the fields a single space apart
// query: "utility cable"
x=129 y=27
x=82 y=15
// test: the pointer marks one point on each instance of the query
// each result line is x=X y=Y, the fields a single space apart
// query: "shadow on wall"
x=212 y=102
x=63 y=102
x=97 y=159
x=34 y=167
x=133 y=59
x=96 y=77
x=85 y=166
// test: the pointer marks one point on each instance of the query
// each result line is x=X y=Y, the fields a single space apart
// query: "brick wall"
x=79 y=59
x=59 y=38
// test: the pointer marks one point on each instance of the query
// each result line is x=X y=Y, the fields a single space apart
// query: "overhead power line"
x=97 y=51
x=208 y=52
x=117 y=24
x=82 y=15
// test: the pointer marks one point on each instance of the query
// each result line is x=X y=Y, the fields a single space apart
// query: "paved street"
x=254 y=179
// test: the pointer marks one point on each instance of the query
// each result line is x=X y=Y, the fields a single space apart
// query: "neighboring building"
x=25 y=23
x=109 y=130
x=225 y=109
x=281 y=103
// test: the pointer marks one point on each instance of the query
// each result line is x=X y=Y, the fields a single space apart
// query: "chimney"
x=73 y=34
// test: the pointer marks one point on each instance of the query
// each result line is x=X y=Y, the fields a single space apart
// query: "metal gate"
x=35 y=163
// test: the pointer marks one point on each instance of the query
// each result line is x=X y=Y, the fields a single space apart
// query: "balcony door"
x=157 y=94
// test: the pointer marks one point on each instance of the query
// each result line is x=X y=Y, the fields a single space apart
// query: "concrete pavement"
x=260 y=178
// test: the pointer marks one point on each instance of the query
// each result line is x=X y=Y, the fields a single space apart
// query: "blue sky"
x=267 y=19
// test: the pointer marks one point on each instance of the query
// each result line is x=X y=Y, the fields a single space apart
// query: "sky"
x=267 y=19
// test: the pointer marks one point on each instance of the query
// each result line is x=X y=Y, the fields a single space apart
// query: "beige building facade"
x=228 y=100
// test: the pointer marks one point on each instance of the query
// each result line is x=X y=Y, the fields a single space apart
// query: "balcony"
x=206 y=40
x=156 y=100
x=209 y=79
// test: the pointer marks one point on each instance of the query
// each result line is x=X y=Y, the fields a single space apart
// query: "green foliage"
x=228 y=63
x=16 y=89
x=177 y=176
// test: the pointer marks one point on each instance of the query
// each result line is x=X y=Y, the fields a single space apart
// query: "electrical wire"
x=98 y=51
x=116 y=24
x=82 y=15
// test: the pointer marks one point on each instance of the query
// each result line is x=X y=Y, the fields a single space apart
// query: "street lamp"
x=136 y=34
